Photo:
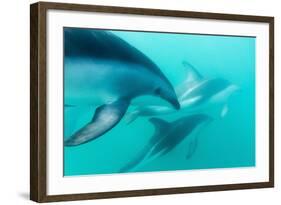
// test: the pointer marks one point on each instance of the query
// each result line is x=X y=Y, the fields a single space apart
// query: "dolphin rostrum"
x=167 y=136
x=102 y=69
x=194 y=93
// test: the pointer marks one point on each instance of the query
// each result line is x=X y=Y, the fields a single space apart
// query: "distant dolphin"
x=102 y=69
x=167 y=136
x=194 y=93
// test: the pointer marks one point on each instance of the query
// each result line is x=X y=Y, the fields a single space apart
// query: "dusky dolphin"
x=166 y=137
x=102 y=69
x=194 y=93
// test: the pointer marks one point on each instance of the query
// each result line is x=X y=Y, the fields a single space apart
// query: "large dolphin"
x=102 y=69
x=194 y=93
x=167 y=136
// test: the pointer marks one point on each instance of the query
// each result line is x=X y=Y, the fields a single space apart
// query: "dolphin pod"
x=194 y=93
x=166 y=137
x=102 y=69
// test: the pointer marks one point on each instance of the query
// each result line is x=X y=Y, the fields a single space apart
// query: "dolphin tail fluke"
x=131 y=116
x=105 y=118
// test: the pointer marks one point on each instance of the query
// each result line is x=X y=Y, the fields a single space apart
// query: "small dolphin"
x=193 y=94
x=102 y=69
x=166 y=137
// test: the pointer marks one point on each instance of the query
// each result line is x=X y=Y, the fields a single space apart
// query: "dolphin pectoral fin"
x=224 y=110
x=131 y=116
x=105 y=118
x=192 y=146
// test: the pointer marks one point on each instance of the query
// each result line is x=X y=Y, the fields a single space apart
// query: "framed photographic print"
x=134 y=102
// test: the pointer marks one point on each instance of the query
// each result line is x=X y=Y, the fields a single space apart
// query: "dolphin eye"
x=157 y=91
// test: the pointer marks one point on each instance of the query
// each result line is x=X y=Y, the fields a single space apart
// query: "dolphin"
x=102 y=69
x=166 y=137
x=194 y=93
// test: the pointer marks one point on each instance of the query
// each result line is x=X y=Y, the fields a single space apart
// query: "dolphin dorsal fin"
x=161 y=129
x=192 y=75
x=192 y=78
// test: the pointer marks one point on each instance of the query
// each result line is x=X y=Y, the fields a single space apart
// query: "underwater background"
x=226 y=142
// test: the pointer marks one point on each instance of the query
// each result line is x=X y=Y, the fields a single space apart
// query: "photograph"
x=191 y=96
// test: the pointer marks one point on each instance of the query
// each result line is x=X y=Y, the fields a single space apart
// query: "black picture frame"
x=38 y=101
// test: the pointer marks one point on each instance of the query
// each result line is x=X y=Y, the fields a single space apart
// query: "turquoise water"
x=226 y=142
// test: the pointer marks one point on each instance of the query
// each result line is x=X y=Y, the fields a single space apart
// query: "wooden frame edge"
x=37 y=102
x=34 y=191
x=153 y=12
x=38 y=175
x=154 y=192
x=271 y=100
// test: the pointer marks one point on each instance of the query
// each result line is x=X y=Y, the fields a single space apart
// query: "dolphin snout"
x=173 y=101
x=172 y=98
x=176 y=104
x=167 y=92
